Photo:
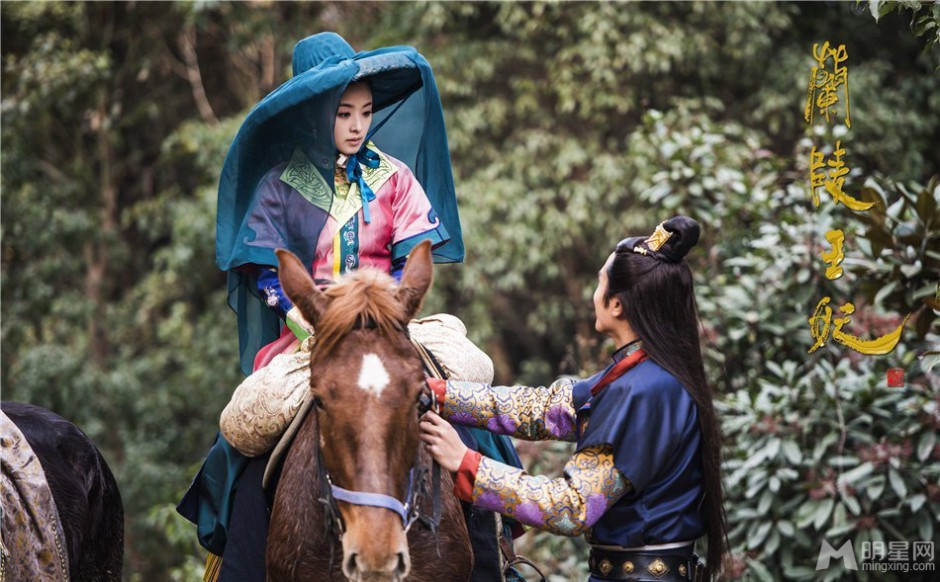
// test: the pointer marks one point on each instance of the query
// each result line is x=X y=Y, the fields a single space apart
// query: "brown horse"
x=366 y=384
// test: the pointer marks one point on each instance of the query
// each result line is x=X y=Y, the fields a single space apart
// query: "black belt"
x=672 y=565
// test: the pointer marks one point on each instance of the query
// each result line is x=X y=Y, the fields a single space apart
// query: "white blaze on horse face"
x=373 y=377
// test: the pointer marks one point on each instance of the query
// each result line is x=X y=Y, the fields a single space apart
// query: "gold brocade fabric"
x=301 y=175
x=265 y=403
x=530 y=413
x=346 y=200
x=567 y=506
x=33 y=542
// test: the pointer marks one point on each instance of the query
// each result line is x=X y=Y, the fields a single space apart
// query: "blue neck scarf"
x=369 y=159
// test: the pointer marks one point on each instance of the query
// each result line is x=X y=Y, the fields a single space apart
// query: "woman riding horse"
x=312 y=170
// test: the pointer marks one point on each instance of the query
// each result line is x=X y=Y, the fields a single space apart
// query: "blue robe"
x=652 y=424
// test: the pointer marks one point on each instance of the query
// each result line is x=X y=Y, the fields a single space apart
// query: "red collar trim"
x=619 y=370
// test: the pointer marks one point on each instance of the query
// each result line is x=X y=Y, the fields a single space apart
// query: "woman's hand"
x=297 y=317
x=442 y=441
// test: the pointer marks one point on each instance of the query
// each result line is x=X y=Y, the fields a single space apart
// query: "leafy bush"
x=827 y=452
x=818 y=447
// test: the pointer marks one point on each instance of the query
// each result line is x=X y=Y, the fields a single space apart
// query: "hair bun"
x=684 y=235
x=670 y=242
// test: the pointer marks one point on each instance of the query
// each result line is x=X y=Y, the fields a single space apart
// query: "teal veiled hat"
x=391 y=72
x=315 y=49
x=408 y=124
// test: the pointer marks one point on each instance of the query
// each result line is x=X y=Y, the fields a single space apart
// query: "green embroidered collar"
x=301 y=175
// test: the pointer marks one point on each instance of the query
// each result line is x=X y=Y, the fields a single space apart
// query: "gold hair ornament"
x=658 y=238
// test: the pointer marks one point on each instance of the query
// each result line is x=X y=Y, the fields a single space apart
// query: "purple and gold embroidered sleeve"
x=521 y=411
x=567 y=506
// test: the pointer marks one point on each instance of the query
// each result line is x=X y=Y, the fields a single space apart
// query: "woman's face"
x=353 y=118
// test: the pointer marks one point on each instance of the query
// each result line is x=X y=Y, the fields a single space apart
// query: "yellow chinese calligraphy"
x=822 y=93
x=834 y=180
x=819 y=325
x=821 y=322
x=834 y=257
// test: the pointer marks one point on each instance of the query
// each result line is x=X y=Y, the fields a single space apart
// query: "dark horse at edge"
x=84 y=489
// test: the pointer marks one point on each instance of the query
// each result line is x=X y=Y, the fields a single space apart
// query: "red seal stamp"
x=895 y=377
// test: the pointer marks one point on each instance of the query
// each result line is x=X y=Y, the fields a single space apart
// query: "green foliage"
x=720 y=174
x=179 y=533
x=552 y=120
x=571 y=125
x=925 y=17
x=827 y=452
x=900 y=250
x=809 y=438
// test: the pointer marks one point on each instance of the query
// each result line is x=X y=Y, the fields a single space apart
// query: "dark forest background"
x=571 y=125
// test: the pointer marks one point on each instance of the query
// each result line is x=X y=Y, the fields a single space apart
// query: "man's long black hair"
x=658 y=301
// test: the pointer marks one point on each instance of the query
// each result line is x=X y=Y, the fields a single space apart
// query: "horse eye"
x=318 y=402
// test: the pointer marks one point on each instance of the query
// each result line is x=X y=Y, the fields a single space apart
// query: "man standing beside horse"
x=645 y=481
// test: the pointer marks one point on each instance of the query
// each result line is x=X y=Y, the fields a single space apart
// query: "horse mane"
x=366 y=295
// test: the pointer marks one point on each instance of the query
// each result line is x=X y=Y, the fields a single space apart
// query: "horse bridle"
x=330 y=493
x=408 y=511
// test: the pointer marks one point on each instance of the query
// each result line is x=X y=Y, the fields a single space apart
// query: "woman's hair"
x=654 y=285
x=367 y=81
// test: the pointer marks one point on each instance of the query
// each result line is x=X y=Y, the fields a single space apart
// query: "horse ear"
x=299 y=286
x=416 y=279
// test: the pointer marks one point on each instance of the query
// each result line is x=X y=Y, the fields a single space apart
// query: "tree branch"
x=187 y=44
x=268 y=62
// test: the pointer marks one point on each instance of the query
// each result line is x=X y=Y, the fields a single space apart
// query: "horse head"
x=366 y=379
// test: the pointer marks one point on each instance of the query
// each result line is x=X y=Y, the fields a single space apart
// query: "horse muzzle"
x=376 y=550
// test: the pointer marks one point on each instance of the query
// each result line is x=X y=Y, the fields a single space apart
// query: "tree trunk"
x=97 y=252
